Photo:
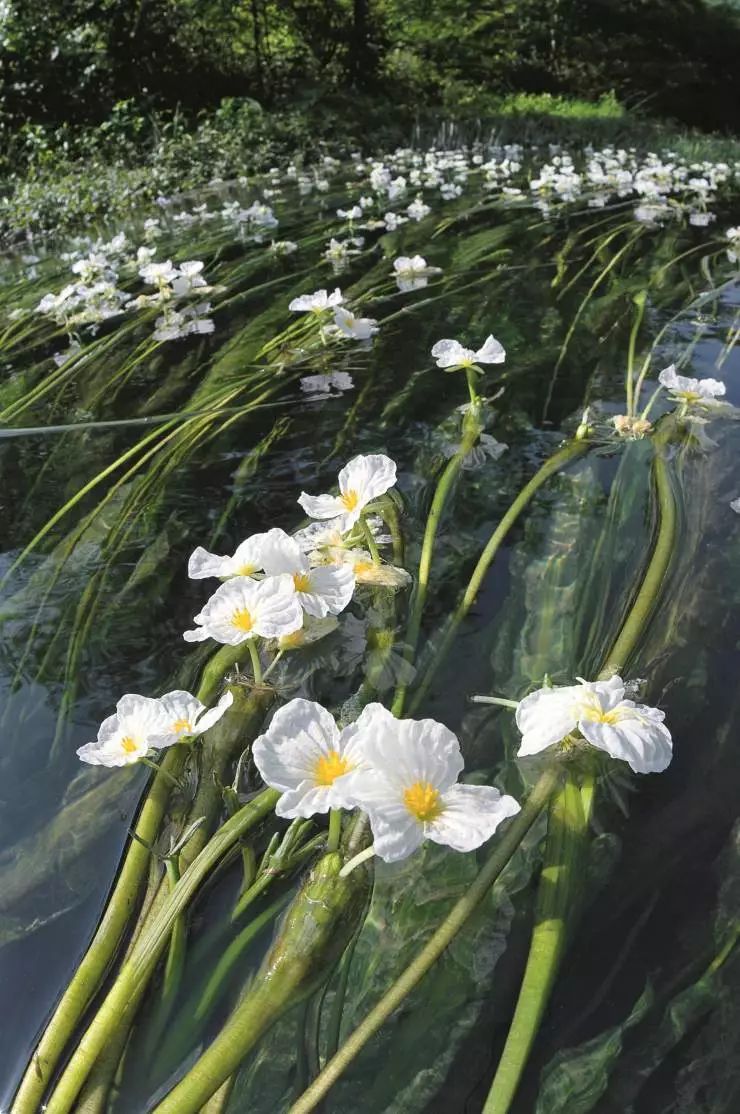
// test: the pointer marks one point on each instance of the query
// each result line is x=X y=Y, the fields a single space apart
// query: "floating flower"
x=323 y=590
x=326 y=386
x=451 y=355
x=412 y=272
x=243 y=608
x=735 y=505
x=406 y=781
x=633 y=733
x=306 y=757
x=363 y=479
x=186 y=716
x=318 y=302
x=697 y=392
x=358 y=328
x=126 y=736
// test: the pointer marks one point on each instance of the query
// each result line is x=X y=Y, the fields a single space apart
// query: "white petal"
x=299 y=734
x=448 y=353
x=203 y=564
x=280 y=553
x=275 y=607
x=335 y=585
x=368 y=476
x=491 y=352
x=545 y=717
x=406 y=751
x=645 y=744
x=213 y=715
x=470 y=816
x=395 y=838
x=322 y=506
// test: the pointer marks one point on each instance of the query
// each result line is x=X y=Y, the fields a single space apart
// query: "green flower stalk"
x=118 y=913
x=318 y=926
x=559 y=460
x=568 y=826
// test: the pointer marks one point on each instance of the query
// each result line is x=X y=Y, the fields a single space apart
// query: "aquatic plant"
x=292 y=764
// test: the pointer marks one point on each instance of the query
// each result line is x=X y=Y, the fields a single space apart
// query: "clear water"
x=97 y=606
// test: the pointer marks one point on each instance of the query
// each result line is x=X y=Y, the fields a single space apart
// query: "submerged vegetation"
x=455 y=428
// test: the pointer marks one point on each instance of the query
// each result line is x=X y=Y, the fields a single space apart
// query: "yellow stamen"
x=182 y=725
x=363 y=568
x=422 y=801
x=242 y=620
x=302 y=581
x=246 y=570
x=289 y=641
x=350 y=499
x=128 y=744
x=329 y=767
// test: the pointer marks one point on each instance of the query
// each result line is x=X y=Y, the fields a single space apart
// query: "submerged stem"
x=441 y=495
x=568 y=827
x=553 y=464
x=436 y=945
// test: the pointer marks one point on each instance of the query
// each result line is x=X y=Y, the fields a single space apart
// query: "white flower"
x=324 y=590
x=363 y=479
x=686 y=390
x=406 y=781
x=359 y=328
x=126 y=737
x=412 y=272
x=487 y=448
x=243 y=608
x=735 y=505
x=188 y=278
x=158 y=274
x=317 y=302
x=304 y=755
x=186 y=716
x=633 y=733
x=350 y=214
x=245 y=561
x=417 y=210
x=450 y=354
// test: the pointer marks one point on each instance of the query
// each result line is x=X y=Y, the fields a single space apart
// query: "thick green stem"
x=553 y=464
x=335 y=829
x=94 y=965
x=559 y=882
x=315 y=932
x=435 y=946
x=568 y=827
x=138 y=968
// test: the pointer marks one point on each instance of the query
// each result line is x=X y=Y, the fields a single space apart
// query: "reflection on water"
x=204 y=442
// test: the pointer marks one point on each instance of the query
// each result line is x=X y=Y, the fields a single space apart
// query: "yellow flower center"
x=329 y=767
x=364 y=568
x=182 y=725
x=288 y=641
x=246 y=570
x=422 y=801
x=350 y=499
x=128 y=744
x=242 y=620
x=302 y=581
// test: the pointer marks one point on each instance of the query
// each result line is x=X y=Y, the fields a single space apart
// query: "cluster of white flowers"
x=321 y=303
x=402 y=772
x=96 y=296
